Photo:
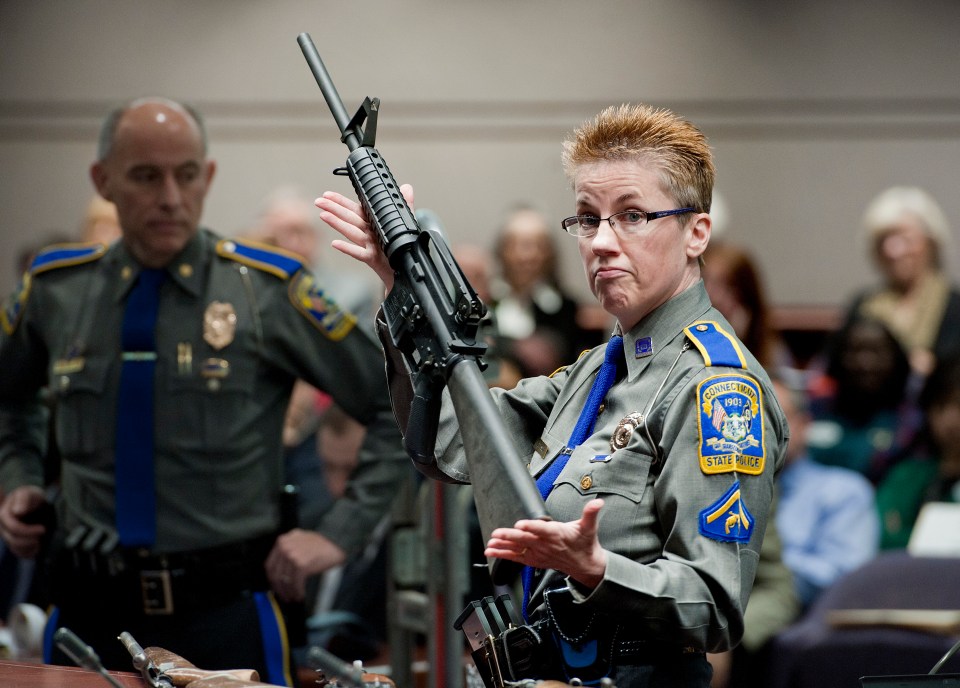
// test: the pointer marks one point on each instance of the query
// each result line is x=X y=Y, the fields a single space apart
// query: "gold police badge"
x=219 y=324
x=625 y=428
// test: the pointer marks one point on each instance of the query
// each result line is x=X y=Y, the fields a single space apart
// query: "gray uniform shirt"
x=665 y=578
x=219 y=407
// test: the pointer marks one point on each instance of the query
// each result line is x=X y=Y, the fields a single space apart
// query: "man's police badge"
x=219 y=324
x=730 y=425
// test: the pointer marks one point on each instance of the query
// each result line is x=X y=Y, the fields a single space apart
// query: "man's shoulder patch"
x=14 y=305
x=719 y=347
x=262 y=257
x=728 y=519
x=730 y=425
x=65 y=255
x=319 y=309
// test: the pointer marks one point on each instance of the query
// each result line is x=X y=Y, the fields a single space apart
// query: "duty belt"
x=162 y=583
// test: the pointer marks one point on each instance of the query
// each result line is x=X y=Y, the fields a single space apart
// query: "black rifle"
x=432 y=314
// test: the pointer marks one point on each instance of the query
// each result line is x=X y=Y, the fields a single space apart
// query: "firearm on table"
x=433 y=314
x=336 y=673
x=163 y=669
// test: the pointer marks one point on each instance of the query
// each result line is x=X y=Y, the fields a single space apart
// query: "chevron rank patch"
x=318 y=308
x=730 y=425
x=13 y=308
x=727 y=519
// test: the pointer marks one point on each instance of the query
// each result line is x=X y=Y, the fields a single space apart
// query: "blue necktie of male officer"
x=136 y=500
x=612 y=360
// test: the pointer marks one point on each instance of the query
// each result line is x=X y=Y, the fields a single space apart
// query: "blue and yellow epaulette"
x=270 y=259
x=65 y=255
x=719 y=347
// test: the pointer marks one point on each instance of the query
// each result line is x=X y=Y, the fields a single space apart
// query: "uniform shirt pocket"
x=624 y=482
x=210 y=402
x=86 y=411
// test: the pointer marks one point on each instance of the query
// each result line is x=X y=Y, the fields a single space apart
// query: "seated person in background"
x=826 y=515
x=908 y=235
x=736 y=289
x=503 y=370
x=932 y=473
x=863 y=413
x=100 y=222
x=527 y=300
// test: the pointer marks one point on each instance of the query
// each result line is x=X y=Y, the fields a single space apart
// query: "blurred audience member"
x=827 y=515
x=289 y=221
x=909 y=236
x=736 y=289
x=503 y=369
x=528 y=302
x=100 y=223
x=864 y=414
x=321 y=441
x=932 y=473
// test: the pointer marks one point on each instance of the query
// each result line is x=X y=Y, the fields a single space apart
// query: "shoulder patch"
x=730 y=425
x=727 y=519
x=65 y=255
x=266 y=258
x=719 y=347
x=319 y=309
x=14 y=305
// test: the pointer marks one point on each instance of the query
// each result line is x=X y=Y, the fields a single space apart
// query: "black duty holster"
x=504 y=650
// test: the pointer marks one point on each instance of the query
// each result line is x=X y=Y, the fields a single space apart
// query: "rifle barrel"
x=334 y=102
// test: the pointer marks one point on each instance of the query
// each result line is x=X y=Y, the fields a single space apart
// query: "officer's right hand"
x=23 y=539
x=360 y=242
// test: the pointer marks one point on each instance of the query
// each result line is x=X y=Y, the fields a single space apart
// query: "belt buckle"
x=157 y=592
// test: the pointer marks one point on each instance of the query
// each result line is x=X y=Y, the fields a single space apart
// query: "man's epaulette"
x=270 y=259
x=47 y=259
x=64 y=255
x=719 y=348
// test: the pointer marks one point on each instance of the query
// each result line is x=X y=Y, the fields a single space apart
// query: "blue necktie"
x=612 y=360
x=136 y=500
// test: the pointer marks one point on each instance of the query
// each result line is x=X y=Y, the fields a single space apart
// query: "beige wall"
x=812 y=107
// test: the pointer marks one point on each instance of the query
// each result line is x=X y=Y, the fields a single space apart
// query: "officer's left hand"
x=572 y=547
x=296 y=556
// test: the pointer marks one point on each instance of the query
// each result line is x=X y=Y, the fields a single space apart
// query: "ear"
x=98 y=175
x=699 y=235
x=210 y=171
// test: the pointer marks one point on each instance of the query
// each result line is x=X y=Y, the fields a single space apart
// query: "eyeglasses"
x=626 y=222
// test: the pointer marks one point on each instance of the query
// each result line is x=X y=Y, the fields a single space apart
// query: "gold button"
x=601 y=408
x=586 y=482
x=702 y=328
x=186 y=270
x=126 y=273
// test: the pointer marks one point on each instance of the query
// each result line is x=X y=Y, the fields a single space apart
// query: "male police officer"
x=171 y=356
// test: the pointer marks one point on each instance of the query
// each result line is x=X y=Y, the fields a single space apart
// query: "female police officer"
x=680 y=457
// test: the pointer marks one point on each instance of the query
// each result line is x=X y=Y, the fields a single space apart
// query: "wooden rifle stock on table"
x=164 y=669
x=433 y=314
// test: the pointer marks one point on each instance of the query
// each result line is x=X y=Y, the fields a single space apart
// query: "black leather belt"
x=161 y=584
